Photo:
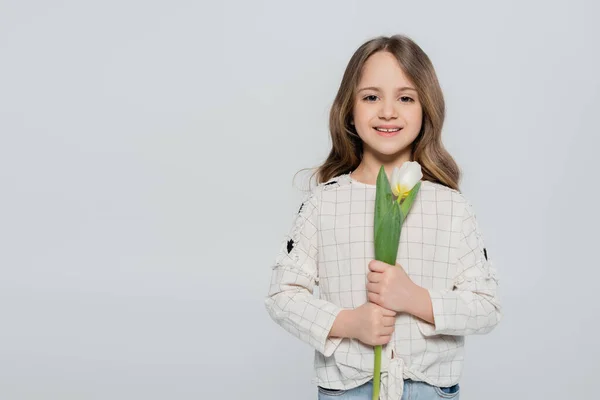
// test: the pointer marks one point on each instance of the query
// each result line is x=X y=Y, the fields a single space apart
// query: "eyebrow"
x=379 y=90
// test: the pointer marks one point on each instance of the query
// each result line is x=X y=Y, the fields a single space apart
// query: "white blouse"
x=330 y=245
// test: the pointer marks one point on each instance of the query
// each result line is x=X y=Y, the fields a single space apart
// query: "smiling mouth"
x=387 y=130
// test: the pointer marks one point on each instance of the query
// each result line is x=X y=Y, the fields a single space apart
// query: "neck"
x=368 y=169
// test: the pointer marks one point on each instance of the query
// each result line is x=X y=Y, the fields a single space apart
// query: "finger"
x=374 y=277
x=373 y=287
x=387 y=331
x=377 y=266
x=374 y=298
x=389 y=321
x=388 y=313
x=384 y=339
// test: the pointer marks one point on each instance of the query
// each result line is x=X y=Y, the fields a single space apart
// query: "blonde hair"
x=427 y=149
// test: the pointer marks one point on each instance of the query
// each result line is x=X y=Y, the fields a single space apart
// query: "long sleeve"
x=290 y=301
x=473 y=306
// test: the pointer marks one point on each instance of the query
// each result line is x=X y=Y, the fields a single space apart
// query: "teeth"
x=388 y=130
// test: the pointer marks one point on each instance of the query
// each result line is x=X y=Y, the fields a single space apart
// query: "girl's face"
x=386 y=99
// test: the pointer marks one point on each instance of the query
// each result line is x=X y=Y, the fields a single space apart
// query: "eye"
x=370 y=97
x=410 y=99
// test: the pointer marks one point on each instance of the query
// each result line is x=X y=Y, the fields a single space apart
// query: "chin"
x=393 y=152
x=387 y=148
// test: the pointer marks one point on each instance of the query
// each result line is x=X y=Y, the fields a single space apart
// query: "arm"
x=472 y=306
x=290 y=301
x=421 y=306
x=342 y=326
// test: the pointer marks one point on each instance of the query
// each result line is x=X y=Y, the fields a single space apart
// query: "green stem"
x=377 y=372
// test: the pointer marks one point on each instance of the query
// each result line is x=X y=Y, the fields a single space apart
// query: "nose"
x=388 y=110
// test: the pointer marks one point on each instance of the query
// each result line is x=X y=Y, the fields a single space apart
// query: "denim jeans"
x=412 y=391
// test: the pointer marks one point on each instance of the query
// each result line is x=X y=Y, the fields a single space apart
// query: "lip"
x=387 y=134
x=388 y=126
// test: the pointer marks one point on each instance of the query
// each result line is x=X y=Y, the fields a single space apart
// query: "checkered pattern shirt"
x=330 y=245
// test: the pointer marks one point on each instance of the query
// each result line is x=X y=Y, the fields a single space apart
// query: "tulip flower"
x=390 y=214
x=405 y=178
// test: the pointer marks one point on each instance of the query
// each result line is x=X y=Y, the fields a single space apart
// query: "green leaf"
x=383 y=197
x=387 y=220
x=408 y=201
x=387 y=235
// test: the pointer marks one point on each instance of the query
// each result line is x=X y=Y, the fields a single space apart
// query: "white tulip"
x=405 y=178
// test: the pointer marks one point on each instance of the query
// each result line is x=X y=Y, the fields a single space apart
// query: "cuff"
x=328 y=345
x=331 y=344
x=439 y=325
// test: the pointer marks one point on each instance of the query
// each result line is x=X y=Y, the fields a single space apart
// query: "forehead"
x=383 y=69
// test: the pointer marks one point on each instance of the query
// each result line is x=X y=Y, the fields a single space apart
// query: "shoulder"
x=330 y=186
x=336 y=182
x=325 y=191
x=460 y=203
x=314 y=195
x=440 y=191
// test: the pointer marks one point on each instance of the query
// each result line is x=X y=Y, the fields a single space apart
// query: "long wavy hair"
x=427 y=148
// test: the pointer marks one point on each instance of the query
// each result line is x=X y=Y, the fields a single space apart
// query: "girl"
x=389 y=110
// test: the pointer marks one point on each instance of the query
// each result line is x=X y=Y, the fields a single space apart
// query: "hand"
x=372 y=324
x=390 y=287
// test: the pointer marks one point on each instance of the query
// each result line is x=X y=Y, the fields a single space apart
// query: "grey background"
x=147 y=151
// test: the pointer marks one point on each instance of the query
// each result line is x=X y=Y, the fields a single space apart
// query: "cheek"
x=416 y=117
x=363 y=112
x=417 y=113
x=358 y=114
